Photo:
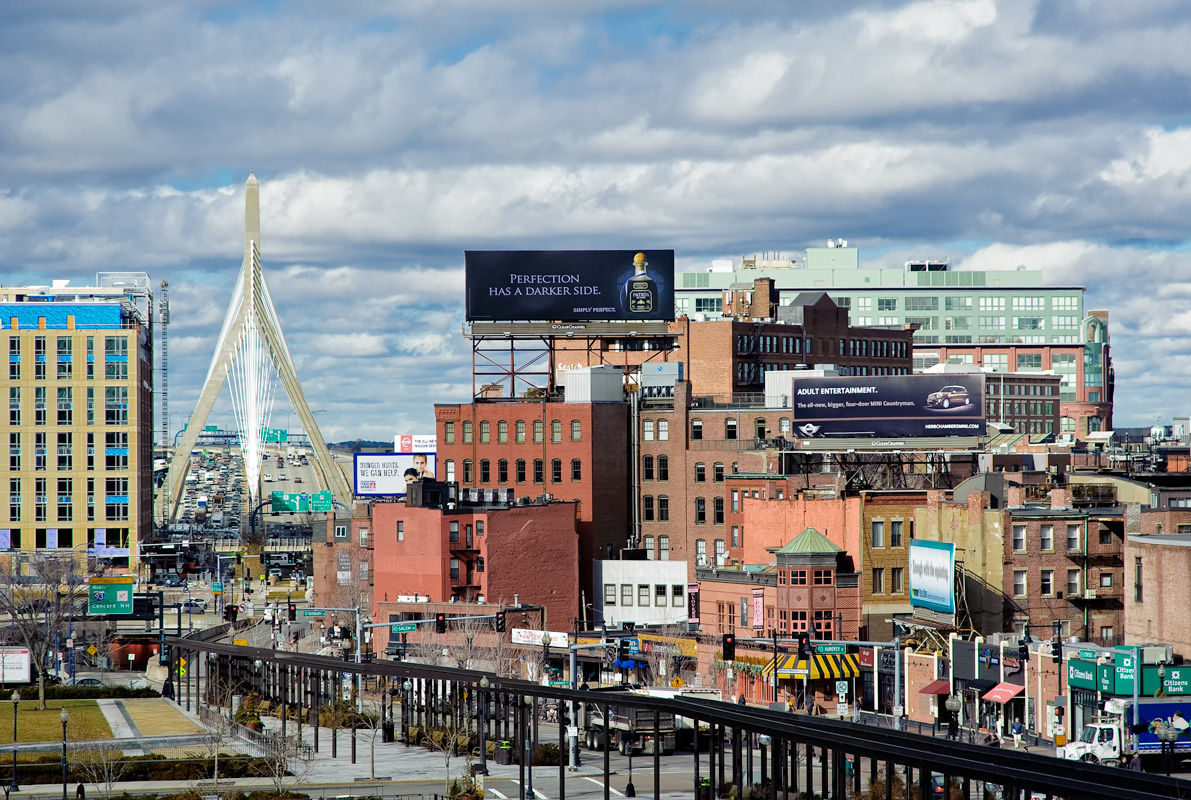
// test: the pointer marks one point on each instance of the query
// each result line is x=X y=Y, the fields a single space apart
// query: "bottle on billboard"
x=640 y=290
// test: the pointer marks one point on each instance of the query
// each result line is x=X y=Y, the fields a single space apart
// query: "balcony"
x=1099 y=594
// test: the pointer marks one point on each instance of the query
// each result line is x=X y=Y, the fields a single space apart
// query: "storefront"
x=812 y=683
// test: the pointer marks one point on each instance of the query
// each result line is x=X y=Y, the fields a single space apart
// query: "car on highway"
x=947 y=397
x=297 y=479
x=268 y=477
x=195 y=605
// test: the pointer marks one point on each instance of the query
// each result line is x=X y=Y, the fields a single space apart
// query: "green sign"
x=313 y=612
x=320 y=501
x=110 y=596
x=404 y=627
x=1177 y=680
x=1081 y=674
x=216 y=587
x=287 y=502
x=211 y=429
x=1126 y=672
x=1108 y=678
x=560 y=683
x=1088 y=655
x=831 y=649
x=274 y=435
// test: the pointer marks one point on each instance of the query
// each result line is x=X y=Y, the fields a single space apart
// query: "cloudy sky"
x=391 y=136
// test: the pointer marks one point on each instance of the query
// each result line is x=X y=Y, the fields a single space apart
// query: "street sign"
x=841 y=688
x=216 y=588
x=841 y=709
x=91 y=650
x=243 y=607
x=240 y=642
x=1088 y=655
x=70 y=642
x=831 y=649
x=313 y=612
x=110 y=596
x=406 y=627
x=320 y=502
x=560 y=683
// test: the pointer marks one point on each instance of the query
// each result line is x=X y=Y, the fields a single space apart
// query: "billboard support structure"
x=513 y=361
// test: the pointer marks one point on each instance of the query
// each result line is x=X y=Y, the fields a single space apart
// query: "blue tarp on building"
x=86 y=316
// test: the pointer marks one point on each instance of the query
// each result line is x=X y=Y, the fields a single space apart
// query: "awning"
x=974 y=684
x=1003 y=692
x=941 y=686
x=821 y=667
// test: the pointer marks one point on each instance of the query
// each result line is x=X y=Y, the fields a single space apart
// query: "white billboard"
x=15 y=665
x=388 y=474
x=529 y=636
x=932 y=575
x=415 y=443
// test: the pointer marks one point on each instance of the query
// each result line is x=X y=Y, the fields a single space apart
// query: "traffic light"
x=1023 y=648
x=622 y=648
x=1056 y=650
x=804 y=646
x=293 y=612
x=440 y=623
x=239 y=558
x=500 y=622
x=728 y=648
x=227 y=613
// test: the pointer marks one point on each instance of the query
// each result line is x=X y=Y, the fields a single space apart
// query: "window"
x=696 y=429
x=647 y=508
x=1137 y=573
x=537 y=431
x=647 y=545
x=878 y=533
x=467 y=432
x=663 y=430
x=539 y=469
x=643 y=595
x=502 y=432
x=556 y=470
x=39 y=413
x=467 y=478
x=700 y=553
x=700 y=510
x=1073 y=582
x=520 y=470
x=735 y=501
x=502 y=471
x=663 y=508
x=717 y=511
x=1105 y=580
x=1029 y=361
x=519 y=431
x=450 y=463
x=556 y=431
x=718 y=473
x=895 y=533
x=65 y=406
x=647 y=468
x=400 y=530
x=721 y=552
x=116 y=405
x=879 y=580
x=1019 y=583
x=1046 y=582
x=1047 y=538
x=479 y=527
x=661 y=595
x=609 y=594
x=14 y=405
x=1107 y=633
x=626 y=594
x=576 y=470
x=647 y=431
x=700 y=473
x=895 y=580
x=824 y=577
x=663 y=548
x=729 y=429
x=736 y=536
x=340 y=531
x=1019 y=538
x=663 y=468
x=759 y=428
x=483 y=470
x=453 y=531
x=484 y=432
x=14 y=452
x=1105 y=536
x=448 y=432
x=454 y=569
x=576 y=430
x=678 y=595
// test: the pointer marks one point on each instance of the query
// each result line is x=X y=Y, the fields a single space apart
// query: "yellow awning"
x=821 y=667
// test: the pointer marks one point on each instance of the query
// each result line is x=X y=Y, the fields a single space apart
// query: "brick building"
x=541 y=447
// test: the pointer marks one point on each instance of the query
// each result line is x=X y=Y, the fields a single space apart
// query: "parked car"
x=195 y=605
x=84 y=682
x=947 y=397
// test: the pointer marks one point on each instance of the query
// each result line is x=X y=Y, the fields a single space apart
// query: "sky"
x=390 y=136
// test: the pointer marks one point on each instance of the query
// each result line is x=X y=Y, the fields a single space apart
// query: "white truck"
x=1110 y=736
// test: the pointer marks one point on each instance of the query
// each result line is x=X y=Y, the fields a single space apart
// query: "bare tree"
x=453 y=727
x=39 y=596
x=661 y=656
x=281 y=761
x=103 y=763
x=221 y=727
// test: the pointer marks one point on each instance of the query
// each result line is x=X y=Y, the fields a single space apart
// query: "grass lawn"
x=86 y=721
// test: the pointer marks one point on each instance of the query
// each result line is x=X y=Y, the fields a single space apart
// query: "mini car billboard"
x=889 y=406
x=569 y=285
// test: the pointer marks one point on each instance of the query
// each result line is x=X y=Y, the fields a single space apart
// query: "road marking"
x=610 y=789
x=497 y=794
x=537 y=793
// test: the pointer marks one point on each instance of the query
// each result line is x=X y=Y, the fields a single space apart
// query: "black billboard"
x=889 y=406
x=569 y=285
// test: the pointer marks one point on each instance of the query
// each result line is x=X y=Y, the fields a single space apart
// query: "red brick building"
x=570 y=451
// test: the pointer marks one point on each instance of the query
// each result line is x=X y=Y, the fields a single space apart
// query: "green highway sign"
x=320 y=501
x=404 y=627
x=1088 y=655
x=110 y=596
x=274 y=435
x=831 y=649
x=313 y=612
x=289 y=502
x=216 y=587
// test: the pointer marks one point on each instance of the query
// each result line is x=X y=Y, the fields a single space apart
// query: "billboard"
x=932 y=575
x=15 y=663
x=415 y=443
x=569 y=285
x=888 y=406
x=387 y=474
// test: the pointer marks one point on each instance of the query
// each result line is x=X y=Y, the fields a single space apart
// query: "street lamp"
x=65 y=718
x=405 y=709
x=630 y=745
x=545 y=659
x=1167 y=734
x=764 y=740
x=484 y=685
x=953 y=704
x=529 y=710
x=16 y=702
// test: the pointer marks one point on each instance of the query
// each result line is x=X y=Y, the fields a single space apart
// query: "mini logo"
x=810 y=429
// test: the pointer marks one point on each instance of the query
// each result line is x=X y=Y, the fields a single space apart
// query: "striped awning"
x=821 y=667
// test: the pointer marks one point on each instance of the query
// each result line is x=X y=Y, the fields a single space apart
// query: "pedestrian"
x=741 y=701
x=856 y=711
x=1135 y=763
x=1017 y=729
x=81 y=792
x=952 y=728
x=790 y=703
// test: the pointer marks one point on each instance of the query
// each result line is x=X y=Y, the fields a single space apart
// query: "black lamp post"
x=484 y=685
x=16 y=702
x=405 y=701
x=1167 y=735
x=530 y=708
x=630 y=742
x=65 y=718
